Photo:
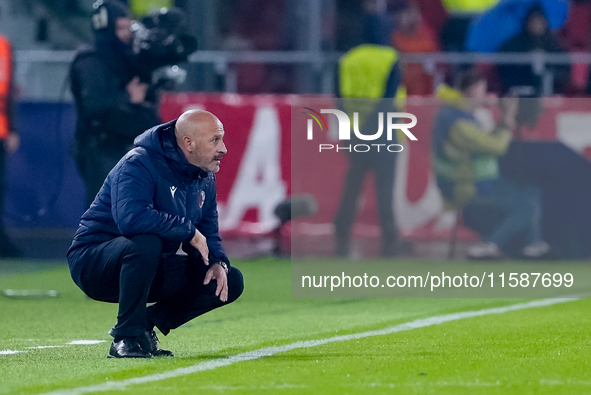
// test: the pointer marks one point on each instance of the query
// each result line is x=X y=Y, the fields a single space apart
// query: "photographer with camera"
x=466 y=163
x=113 y=105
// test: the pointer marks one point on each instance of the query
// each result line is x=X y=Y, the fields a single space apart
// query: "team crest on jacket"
x=201 y=199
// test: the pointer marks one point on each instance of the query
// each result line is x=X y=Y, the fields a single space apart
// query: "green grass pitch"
x=538 y=350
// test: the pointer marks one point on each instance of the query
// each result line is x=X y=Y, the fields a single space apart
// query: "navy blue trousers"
x=133 y=272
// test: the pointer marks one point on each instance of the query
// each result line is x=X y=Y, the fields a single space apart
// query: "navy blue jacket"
x=154 y=190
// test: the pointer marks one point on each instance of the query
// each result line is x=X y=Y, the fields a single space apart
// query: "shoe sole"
x=163 y=355
x=114 y=357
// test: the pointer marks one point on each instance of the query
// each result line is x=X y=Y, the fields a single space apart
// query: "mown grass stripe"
x=269 y=351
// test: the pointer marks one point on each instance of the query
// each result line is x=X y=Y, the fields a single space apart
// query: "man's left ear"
x=189 y=143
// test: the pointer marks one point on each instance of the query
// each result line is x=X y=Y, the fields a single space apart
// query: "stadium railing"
x=41 y=73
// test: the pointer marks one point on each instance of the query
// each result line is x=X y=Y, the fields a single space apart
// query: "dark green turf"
x=14 y=266
x=266 y=315
x=534 y=351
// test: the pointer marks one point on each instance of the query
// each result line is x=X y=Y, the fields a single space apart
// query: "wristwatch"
x=223 y=265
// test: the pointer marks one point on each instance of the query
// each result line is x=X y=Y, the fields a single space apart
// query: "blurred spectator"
x=521 y=80
x=467 y=170
x=434 y=13
x=368 y=71
x=256 y=25
x=576 y=33
x=461 y=14
x=349 y=27
x=113 y=106
x=411 y=34
x=9 y=139
x=576 y=37
x=377 y=23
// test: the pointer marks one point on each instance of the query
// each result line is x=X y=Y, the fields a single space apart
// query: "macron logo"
x=172 y=191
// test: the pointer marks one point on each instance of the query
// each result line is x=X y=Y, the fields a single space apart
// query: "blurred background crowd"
x=86 y=80
x=243 y=43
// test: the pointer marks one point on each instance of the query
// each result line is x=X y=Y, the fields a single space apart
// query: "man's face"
x=476 y=94
x=537 y=25
x=477 y=90
x=123 y=30
x=209 y=147
x=407 y=20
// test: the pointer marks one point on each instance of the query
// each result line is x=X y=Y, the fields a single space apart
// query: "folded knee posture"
x=160 y=197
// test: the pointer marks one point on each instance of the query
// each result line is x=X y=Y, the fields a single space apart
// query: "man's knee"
x=235 y=284
x=147 y=247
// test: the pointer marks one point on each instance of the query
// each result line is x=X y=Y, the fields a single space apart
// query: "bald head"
x=200 y=136
x=192 y=122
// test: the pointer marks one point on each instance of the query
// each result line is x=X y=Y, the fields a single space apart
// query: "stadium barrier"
x=42 y=74
x=44 y=189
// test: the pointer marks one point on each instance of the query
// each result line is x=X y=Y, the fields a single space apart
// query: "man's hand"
x=217 y=272
x=137 y=90
x=200 y=243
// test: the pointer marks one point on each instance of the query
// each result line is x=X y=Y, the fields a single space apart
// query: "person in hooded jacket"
x=521 y=80
x=113 y=106
x=159 y=197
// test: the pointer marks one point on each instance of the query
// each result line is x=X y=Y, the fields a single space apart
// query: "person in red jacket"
x=411 y=34
x=9 y=139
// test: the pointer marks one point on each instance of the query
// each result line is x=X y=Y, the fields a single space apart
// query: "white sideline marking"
x=269 y=351
x=271 y=386
x=9 y=352
x=565 y=382
x=46 y=347
x=73 y=342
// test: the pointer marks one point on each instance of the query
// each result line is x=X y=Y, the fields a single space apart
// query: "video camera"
x=163 y=39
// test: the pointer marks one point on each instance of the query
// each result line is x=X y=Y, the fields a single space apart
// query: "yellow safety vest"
x=144 y=7
x=365 y=69
x=363 y=74
x=468 y=6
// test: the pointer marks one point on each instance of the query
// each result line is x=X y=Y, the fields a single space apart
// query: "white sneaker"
x=484 y=250
x=535 y=250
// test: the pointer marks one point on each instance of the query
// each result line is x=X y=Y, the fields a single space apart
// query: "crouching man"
x=161 y=195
